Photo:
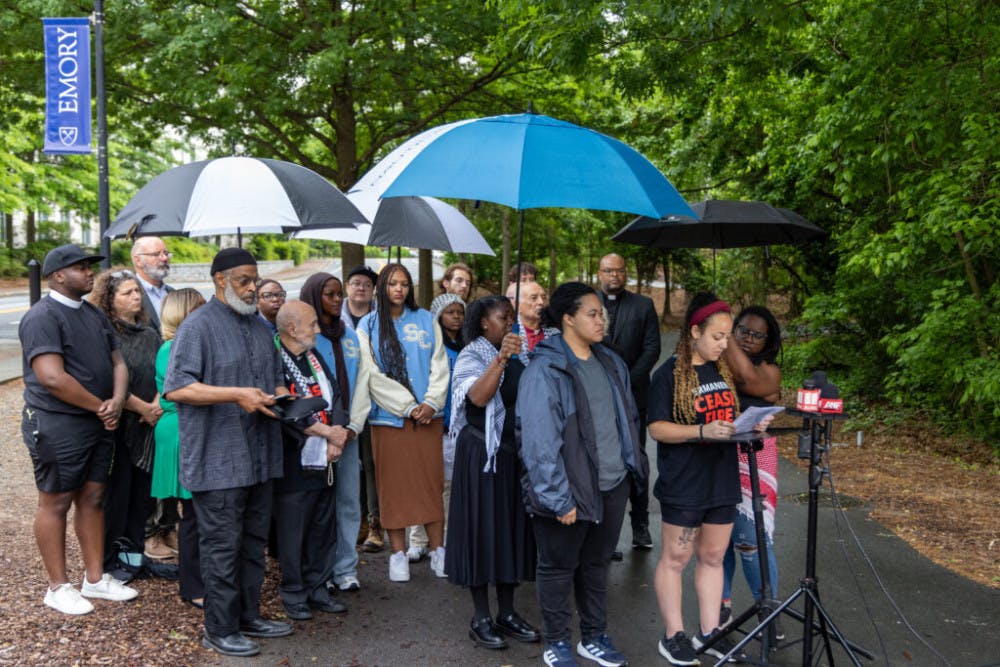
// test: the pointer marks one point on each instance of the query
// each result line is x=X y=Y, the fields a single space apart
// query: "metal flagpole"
x=103 y=205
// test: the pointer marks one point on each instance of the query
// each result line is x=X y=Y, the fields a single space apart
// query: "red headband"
x=705 y=312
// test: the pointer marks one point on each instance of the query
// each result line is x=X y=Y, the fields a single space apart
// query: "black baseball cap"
x=363 y=271
x=66 y=255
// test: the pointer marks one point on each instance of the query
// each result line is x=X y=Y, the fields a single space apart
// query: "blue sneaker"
x=559 y=654
x=602 y=651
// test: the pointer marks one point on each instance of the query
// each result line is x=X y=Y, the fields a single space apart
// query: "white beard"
x=238 y=304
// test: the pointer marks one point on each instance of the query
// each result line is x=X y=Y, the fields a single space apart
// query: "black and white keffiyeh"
x=473 y=361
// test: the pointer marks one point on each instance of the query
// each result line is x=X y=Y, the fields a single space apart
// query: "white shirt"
x=156 y=294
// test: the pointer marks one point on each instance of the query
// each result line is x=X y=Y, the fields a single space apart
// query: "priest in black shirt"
x=633 y=331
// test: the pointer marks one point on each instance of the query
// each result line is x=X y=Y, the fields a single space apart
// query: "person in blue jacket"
x=580 y=439
x=403 y=348
x=338 y=346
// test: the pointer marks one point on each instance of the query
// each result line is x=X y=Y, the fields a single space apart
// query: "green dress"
x=166 y=462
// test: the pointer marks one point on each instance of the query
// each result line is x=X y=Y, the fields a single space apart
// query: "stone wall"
x=188 y=273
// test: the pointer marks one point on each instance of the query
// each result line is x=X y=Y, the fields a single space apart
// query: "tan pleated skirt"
x=409 y=473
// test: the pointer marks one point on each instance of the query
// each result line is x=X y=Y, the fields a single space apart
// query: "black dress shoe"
x=483 y=632
x=641 y=539
x=260 y=627
x=517 y=628
x=234 y=644
x=617 y=555
x=197 y=603
x=298 y=611
x=329 y=606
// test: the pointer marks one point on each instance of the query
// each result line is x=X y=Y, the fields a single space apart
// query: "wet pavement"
x=425 y=621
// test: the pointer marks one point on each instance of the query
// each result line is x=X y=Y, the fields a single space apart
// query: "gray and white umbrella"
x=413 y=222
x=233 y=195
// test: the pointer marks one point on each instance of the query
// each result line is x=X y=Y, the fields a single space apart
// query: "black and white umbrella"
x=234 y=195
x=414 y=222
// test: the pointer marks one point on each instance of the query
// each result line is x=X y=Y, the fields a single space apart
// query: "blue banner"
x=67 y=85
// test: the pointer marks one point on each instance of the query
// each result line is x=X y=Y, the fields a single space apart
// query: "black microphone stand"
x=819 y=427
x=764 y=606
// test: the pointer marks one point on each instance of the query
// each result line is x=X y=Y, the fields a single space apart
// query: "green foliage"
x=269 y=247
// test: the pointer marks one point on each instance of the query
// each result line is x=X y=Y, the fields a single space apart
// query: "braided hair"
x=685 y=376
x=393 y=357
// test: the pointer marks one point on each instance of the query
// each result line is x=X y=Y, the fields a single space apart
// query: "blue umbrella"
x=525 y=161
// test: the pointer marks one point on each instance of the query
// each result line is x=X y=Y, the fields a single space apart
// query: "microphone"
x=830 y=402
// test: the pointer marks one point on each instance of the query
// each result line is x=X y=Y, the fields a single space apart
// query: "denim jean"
x=744 y=543
x=348 y=512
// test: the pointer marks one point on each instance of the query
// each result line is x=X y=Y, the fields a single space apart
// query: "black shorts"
x=686 y=518
x=67 y=450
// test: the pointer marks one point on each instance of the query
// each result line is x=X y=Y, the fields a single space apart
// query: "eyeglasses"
x=123 y=274
x=273 y=296
x=743 y=332
x=162 y=253
x=620 y=272
x=243 y=281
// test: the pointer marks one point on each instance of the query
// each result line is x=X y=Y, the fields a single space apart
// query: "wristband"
x=701 y=431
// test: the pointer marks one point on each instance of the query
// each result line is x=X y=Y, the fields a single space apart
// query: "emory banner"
x=67 y=85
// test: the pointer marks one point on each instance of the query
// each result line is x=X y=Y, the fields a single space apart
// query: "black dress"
x=490 y=539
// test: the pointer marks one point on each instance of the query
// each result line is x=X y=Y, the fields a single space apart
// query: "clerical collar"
x=610 y=297
x=65 y=300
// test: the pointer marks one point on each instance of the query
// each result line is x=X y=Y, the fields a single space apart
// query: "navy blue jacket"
x=556 y=433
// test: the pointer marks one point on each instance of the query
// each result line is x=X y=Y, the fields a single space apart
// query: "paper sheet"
x=752 y=416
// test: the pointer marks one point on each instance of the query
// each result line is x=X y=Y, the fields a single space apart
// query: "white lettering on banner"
x=69 y=70
x=351 y=350
x=415 y=334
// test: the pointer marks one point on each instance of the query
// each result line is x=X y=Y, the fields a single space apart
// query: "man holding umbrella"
x=634 y=333
x=231 y=448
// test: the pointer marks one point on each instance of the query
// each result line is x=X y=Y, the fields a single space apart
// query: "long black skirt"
x=490 y=538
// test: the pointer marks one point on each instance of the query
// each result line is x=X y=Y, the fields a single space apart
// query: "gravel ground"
x=166 y=632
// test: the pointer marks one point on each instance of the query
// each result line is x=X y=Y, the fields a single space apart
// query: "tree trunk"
x=351 y=255
x=977 y=293
x=29 y=227
x=553 y=264
x=665 y=315
x=8 y=229
x=425 y=280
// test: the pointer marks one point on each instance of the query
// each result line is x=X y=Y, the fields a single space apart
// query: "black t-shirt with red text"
x=695 y=476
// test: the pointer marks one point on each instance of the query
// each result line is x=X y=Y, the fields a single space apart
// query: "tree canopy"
x=877 y=121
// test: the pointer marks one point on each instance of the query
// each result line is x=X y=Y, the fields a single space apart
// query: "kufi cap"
x=228 y=258
x=66 y=255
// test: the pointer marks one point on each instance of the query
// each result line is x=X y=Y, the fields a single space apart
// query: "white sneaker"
x=67 y=599
x=399 y=567
x=108 y=588
x=415 y=553
x=437 y=562
x=349 y=583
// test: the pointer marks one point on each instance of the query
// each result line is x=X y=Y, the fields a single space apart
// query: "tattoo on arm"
x=687 y=537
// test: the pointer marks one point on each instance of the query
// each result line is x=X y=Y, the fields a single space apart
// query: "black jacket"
x=636 y=339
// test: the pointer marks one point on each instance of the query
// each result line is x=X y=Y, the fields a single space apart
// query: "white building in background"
x=82 y=230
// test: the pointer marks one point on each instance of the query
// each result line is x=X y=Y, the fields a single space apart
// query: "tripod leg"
x=766 y=623
x=827 y=621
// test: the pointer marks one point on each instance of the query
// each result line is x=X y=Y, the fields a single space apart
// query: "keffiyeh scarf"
x=472 y=362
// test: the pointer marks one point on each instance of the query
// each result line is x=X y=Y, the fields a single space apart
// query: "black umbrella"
x=722 y=224
x=232 y=195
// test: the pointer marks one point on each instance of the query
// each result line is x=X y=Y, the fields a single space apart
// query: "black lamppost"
x=103 y=206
